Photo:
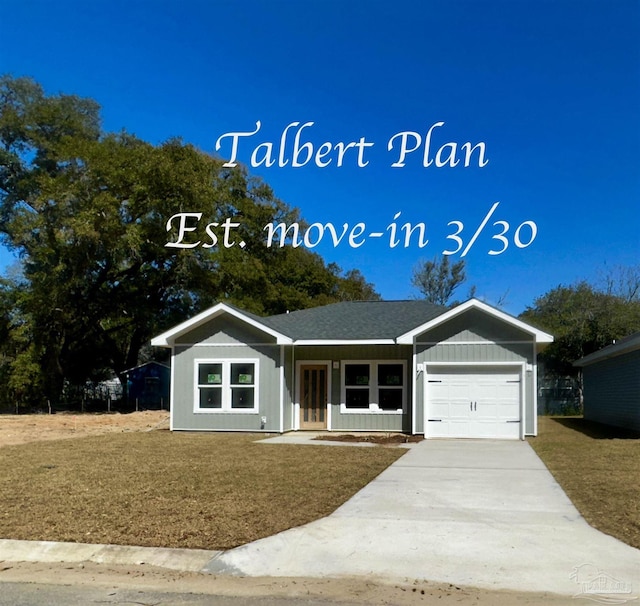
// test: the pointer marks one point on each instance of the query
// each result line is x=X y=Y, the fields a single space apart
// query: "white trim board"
x=167 y=339
x=298 y=386
x=540 y=336
x=522 y=370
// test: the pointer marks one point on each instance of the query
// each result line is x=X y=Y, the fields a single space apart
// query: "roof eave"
x=539 y=336
x=611 y=351
x=168 y=338
x=344 y=342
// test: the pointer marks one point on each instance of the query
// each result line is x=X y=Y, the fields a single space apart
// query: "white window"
x=226 y=385
x=373 y=386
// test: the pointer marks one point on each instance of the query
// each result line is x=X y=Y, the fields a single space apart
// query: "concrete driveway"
x=478 y=512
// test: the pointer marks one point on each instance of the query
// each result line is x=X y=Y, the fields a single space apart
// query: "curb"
x=188 y=560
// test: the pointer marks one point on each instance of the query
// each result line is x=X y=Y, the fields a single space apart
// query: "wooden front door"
x=313 y=397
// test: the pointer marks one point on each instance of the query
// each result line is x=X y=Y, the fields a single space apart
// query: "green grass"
x=206 y=490
x=599 y=469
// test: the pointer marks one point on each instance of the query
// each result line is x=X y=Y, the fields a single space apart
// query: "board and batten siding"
x=474 y=325
x=612 y=391
x=226 y=338
x=367 y=421
x=474 y=338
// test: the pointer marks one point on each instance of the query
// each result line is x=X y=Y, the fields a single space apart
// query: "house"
x=396 y=366
x=148 y=385
x=612 y=383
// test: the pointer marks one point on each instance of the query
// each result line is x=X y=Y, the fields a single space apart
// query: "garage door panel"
x=460 y=427
x=459 y=410
x=487 y=411
x=486 y=430
x=473 y=403
x=439 y=410
x=446 y=428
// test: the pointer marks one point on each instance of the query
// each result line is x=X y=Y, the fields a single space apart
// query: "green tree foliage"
x=87 y=212
x=438 y=279
x=582 y=319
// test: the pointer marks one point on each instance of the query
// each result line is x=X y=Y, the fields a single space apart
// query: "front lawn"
x=599 y=469
x=206 y=490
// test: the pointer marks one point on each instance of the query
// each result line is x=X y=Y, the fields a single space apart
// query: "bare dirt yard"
x=101 y=583
x=21 y=429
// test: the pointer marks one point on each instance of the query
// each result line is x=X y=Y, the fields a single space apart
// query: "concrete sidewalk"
x=481 y=513
x=478 y=513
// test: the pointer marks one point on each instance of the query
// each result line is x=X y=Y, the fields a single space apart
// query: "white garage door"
x=473 y=403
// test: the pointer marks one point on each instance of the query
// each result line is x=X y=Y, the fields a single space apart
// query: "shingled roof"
x=354 y=320
x=350 y=321
x=622 y=346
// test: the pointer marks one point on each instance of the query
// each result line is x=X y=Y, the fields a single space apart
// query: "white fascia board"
x=540 y=336
x=610 y=351
x=345 y=342
x=166 y=339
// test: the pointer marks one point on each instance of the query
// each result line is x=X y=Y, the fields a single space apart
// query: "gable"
x=474 y=326
x=490 y=319
x=224 y=329
x=221 y=311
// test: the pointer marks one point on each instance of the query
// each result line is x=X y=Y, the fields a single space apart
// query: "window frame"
x=374 y=387
x=225 y=386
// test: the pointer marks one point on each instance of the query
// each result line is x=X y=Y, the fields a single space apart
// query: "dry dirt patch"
x=20 y=429
x=140 y=584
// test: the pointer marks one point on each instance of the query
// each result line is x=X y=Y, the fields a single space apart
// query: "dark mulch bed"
x=382 y=438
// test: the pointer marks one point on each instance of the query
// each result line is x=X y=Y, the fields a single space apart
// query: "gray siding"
x=224 y=329
x=612 y=391
x=418 y=404
x=289 y=372
x=369 y=421
x=353 y=352
x=223 y=338
x=475 y=352
x=531 y=403
x=474 y=325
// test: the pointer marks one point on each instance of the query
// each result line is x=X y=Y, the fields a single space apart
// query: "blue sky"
x=551 y=88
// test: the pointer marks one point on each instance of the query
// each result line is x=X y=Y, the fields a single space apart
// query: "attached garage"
x=476 y=374
x=474 y=402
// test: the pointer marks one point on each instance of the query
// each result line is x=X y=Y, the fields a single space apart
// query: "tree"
x=622 y=281
x=87 y=213
x=437 y=280
x=352 y=286
x=582 y=320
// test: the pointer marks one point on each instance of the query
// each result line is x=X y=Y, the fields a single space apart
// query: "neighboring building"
x=148 y=386
x=612 y=383
x=397 y=366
